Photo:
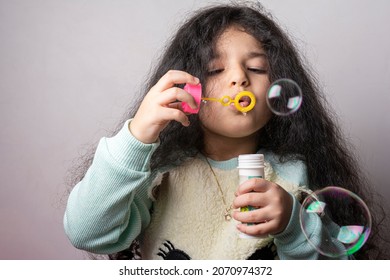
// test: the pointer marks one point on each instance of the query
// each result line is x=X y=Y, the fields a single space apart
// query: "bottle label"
x=250 y=177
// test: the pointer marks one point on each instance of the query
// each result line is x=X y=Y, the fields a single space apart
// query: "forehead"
x=236 y=39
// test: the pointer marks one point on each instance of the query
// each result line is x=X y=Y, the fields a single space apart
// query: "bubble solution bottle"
x=250 y=166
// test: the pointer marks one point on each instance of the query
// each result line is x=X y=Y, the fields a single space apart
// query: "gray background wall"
x=68 y=69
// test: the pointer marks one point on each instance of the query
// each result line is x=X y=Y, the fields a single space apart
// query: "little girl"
x=165 y=186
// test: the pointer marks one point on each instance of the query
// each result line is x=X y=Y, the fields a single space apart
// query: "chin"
x=240 y=132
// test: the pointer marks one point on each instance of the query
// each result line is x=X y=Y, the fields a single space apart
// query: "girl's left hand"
x=273 y=203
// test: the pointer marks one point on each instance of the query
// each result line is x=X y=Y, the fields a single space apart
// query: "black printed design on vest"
x=266 y=253
x=171 y=253
x=131 y=253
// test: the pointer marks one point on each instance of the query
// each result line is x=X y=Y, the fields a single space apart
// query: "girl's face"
x=240 y=64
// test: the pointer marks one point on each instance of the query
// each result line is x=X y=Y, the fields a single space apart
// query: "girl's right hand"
x=161 y=105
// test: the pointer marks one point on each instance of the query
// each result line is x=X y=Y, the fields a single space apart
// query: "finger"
x=169 y=114
x=173 y=77
x=177 y=106
x=253 y=185
x=174 y=94
x=255 y=199
x=256 y=216
x=260 y=230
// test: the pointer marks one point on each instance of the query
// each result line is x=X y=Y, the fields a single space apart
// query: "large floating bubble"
x=284 y=97
x=336 y=239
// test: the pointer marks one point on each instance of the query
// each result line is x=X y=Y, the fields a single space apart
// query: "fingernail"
x=197 y=81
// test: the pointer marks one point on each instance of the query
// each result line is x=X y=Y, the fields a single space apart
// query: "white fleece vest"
x=188 y=212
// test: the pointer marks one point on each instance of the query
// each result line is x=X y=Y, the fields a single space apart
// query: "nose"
x=239 y=78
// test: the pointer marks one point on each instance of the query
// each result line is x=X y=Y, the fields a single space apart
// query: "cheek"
x=212 y=89
x=211 y=117
x=261 y=102
x=264 y=114
x=208 y=112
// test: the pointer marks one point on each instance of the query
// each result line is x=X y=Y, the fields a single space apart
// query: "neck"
x=221 y=148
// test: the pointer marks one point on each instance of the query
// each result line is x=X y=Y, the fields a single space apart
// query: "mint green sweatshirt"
x=111 y=206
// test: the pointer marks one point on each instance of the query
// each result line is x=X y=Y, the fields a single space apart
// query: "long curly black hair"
x=311 y=134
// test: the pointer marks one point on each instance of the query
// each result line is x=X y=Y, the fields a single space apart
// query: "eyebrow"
x=249 y=55
x=256 y=54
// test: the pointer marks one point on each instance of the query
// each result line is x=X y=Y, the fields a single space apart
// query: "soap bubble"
x=284 y=97
x=336 y=239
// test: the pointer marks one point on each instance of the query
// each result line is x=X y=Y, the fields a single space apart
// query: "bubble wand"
x=196 y=92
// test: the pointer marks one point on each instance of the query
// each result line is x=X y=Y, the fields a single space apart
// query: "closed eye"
x=214 y=72
x=258 y=70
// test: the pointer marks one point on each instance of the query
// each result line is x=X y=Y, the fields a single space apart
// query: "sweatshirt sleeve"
x=110 y=206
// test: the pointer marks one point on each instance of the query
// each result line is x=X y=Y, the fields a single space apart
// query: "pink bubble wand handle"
x=196 y=92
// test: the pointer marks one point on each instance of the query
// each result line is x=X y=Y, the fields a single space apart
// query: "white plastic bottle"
x=250 y=166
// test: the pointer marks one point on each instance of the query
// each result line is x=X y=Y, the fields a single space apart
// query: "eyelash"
x=214 y=72
x=258 y=71
x=255 y=70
